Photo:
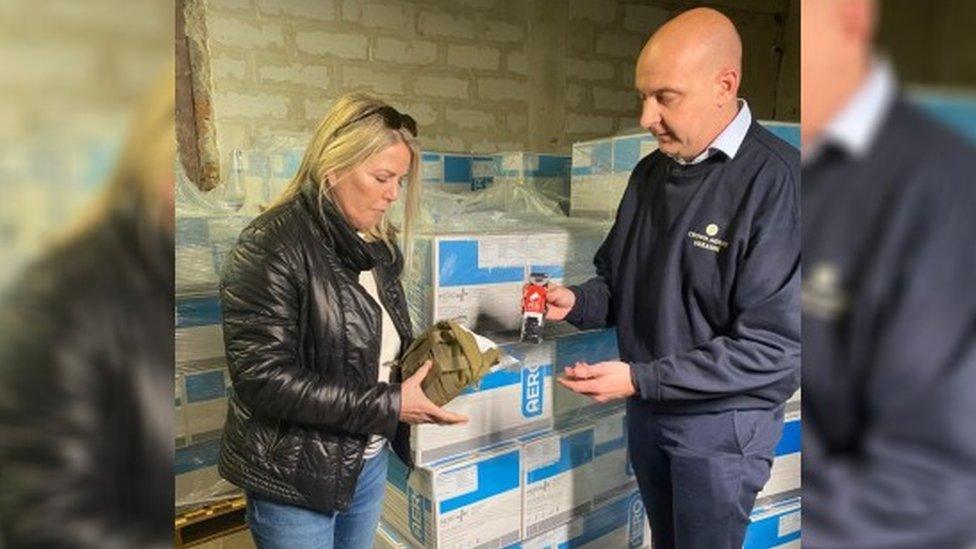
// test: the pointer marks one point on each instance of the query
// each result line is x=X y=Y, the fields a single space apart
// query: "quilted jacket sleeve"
x=260 y=298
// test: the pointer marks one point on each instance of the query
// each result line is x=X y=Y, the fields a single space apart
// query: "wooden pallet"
x=209 y=522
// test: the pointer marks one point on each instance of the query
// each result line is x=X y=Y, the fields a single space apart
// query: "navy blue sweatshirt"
x=889 y=340
x=700 y=274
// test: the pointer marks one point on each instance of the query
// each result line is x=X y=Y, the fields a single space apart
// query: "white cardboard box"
x=777 y=525
x=619 y=522
x=471 y=500
x=556 y=478
x=591 y=346
x=387 y=537
x=785 y=476
x=612 y=472
x=512 y=400
x=477 y=278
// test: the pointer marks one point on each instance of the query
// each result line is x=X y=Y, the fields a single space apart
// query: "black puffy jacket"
x=86 y=392
x=302 y=340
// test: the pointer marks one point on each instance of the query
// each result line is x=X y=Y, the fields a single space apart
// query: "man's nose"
x=650 y=114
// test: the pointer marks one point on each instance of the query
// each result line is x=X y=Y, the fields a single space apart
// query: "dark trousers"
x=699 y=473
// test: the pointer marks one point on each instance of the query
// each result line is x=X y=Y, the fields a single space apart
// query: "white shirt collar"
x=729 y=140
x=855 y=126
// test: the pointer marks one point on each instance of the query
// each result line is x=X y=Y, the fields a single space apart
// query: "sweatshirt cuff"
x=576 y=313
x=645 y=377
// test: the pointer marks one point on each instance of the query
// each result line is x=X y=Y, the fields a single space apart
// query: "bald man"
x=889 y=306
x=700 y=276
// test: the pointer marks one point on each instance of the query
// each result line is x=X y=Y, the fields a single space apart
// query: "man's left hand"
x=603 y=381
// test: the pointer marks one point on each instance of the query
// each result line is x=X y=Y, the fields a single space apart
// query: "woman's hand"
x=415 y=407
x=560 y=301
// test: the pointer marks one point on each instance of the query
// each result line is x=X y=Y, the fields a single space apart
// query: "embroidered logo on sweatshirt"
x=823 y=292
x=708 y=241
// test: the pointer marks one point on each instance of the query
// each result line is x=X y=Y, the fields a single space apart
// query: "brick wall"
x=78 y=67
x=72 y=74
x=478 y=75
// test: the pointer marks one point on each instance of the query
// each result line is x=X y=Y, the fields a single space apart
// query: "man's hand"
x=603 y=382
x=560 y=301
x=415 y=407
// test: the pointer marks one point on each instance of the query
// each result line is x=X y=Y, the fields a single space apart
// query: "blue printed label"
x=532 y=391
x=635 y=527
x=416 y=514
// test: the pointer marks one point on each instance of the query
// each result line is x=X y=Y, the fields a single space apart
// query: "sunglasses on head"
x=393 y=119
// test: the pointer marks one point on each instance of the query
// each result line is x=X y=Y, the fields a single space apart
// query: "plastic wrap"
x=600 y=172
x=472 y=251
x=474 y=273
x=207 y=225
x=547 y=175
x=601 y=168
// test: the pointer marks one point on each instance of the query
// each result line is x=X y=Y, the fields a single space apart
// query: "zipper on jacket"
x=381 y=287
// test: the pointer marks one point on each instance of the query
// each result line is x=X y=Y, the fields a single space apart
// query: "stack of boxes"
x=512 y=474
x=601 y=168
x=202 y=384
x=454 y=172
x=205 y=234
x=776 y=525
x=617 y=523
x=784 y=479
x=477 y=276
x=600 y=171
x=545 y=174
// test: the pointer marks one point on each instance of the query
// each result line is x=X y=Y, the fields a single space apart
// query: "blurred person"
x=700 y=276
x=314 y=314
x=889 y=306
x=86 y=363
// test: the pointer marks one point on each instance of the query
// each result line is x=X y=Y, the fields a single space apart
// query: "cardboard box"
x=777 y=525
x=601 y=168
x=387 y=537
x=470 y=500
x=785 y=476
x=456 y=172
x=619 y=522
x=545 y=174
x=512 y=400
x=556 y=478
x=205 y=407
x=179 y=417
x=612 y=472
x=787 y=131
x=197 y=480
x=477 y=278
x=591 y=346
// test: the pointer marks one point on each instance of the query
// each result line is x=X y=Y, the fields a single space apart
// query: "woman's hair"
x=141 y=184
x=360 y=137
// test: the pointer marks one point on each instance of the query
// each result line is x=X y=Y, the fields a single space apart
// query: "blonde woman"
x=86 y=361
x=313 y=313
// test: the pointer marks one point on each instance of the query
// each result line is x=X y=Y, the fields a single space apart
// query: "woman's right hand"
x=415 y=407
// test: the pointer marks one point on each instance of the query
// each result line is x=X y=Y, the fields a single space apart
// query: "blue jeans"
x=281 y=526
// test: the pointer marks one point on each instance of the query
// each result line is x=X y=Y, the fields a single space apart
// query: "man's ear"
x=728 y=86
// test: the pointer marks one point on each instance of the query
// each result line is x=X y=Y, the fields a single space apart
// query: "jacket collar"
x=352 y=250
